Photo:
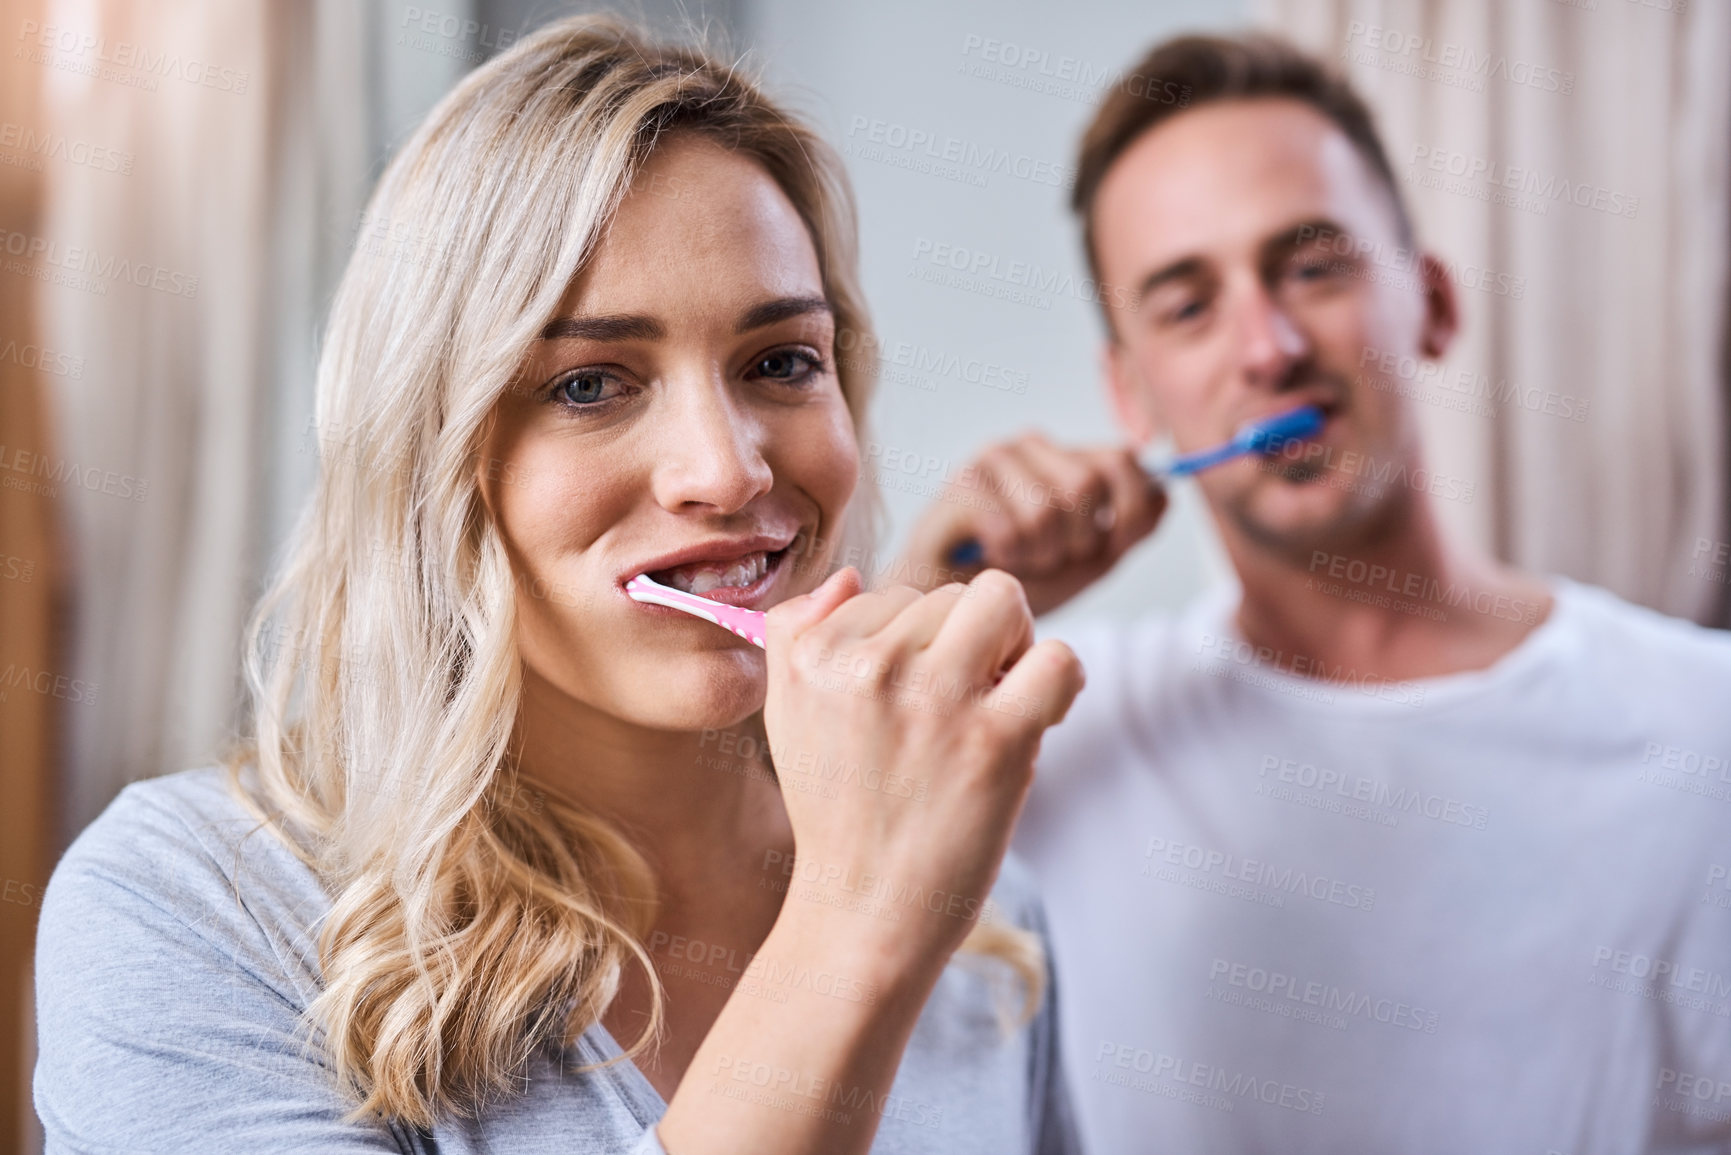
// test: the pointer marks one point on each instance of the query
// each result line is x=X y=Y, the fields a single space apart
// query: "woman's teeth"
x=701 y=577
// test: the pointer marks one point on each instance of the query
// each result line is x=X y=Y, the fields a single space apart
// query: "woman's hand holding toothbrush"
x=939 y=701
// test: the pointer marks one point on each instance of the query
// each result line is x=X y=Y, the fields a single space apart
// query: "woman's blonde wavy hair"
x=469 y=929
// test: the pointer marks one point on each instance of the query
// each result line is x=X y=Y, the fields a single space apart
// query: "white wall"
x=980 y=80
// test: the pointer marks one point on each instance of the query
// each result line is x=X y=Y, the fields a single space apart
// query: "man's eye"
x=1315 y=268
x=1183 y=311
x=786 y=365
x=584 y=387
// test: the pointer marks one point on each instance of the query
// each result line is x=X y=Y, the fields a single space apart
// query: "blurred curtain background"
x=250 y=189
x=1582 y=147
x=181 y=181
x=30 y=619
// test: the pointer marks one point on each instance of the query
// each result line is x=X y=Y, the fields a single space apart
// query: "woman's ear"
x=1132 y=400
x=1442 y=316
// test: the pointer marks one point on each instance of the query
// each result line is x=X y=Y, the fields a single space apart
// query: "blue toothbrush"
x=1265 y=436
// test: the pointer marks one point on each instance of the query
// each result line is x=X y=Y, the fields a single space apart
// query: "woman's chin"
x=720 y=690
x=707 y=720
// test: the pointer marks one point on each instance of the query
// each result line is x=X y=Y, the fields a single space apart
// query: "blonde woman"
x=510 y=862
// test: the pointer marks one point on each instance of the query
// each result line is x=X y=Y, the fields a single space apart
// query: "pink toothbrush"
x=748 y=624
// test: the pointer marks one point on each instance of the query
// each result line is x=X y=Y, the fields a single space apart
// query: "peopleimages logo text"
x=77 y=259
x=75 y=43
x=1450 y=55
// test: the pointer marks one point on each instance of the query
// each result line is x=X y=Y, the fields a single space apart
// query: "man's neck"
x=1394 y=606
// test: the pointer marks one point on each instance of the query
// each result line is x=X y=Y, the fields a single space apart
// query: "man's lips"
x=1294 y=460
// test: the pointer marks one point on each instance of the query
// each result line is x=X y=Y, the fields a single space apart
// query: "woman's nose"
x=709 y=449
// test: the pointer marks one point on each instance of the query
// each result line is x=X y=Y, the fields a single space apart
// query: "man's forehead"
x=1229 y=174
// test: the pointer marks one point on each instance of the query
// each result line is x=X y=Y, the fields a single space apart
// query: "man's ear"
x=1132 y=400
x=1442 y=316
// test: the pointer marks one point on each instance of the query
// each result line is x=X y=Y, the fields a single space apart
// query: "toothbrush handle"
x=967 y=553
x=1197 y=462
x=748 y=624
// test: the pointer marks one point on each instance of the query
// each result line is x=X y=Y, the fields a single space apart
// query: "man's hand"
x=1058 y=519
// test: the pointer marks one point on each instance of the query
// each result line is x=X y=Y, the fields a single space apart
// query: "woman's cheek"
x=838 y=461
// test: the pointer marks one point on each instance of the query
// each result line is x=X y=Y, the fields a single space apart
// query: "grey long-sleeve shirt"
x=176 y=954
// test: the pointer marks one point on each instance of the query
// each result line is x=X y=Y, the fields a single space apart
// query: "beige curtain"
x=253 y=131
x=169 y=402
x=30 y=597
x=200 y=167
x=1577 y=152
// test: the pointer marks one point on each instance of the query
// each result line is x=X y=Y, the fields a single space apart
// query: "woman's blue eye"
x=583 y=388
x=786 y=365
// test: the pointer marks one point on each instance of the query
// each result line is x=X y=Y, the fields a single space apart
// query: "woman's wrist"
x=893 y=952
x=843 y=998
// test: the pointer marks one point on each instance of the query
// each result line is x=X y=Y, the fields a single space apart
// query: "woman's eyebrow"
x=633 y=327
x=780 y=309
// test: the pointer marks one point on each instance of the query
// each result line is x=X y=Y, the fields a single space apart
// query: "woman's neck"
x=683 y=797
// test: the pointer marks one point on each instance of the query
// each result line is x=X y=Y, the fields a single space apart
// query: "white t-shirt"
x=1482 y=913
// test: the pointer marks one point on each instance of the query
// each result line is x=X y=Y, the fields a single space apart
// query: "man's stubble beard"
x=1365 y=519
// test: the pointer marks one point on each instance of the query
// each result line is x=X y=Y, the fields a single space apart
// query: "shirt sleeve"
x=164 y=1024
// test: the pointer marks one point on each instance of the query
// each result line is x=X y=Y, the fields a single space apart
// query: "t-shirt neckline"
x=1216 y=614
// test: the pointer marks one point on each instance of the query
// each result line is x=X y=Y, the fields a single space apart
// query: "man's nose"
x=1269 y=341
x=709 y=448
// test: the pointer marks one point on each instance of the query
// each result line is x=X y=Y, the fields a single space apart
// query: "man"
x=1394 y=848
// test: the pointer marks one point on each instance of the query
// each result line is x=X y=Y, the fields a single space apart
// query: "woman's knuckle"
x=811 y=650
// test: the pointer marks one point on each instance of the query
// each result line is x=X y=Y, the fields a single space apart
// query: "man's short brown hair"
x=1190 y=71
